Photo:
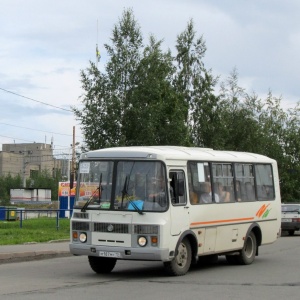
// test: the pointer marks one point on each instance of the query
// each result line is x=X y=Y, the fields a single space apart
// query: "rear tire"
x=102 y=265
x=247 y=254
x=182 y=261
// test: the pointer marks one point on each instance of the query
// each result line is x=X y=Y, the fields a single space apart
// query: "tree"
x=156 y=115
x=147 y=96
x=7 y=183
x=261 y=126
x=45 y=180
x=106 y=100
x=196 y=85
x=239 y=117
x=134 y=101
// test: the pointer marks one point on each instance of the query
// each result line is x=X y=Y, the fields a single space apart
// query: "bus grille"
x=146 y=229
x=111 y=227
x=80 y=226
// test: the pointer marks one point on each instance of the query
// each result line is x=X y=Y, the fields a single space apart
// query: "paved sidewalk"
x=14 y=253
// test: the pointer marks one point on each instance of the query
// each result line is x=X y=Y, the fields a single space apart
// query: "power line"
x=16 y=138
x=38 y=130
x=35 y=100
x=32 y=142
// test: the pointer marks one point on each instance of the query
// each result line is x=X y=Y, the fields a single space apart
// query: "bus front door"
x=179 y=208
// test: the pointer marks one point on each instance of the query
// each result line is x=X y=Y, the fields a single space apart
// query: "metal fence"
x=21 y=214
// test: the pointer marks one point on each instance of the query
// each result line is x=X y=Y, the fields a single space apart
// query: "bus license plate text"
x=109 y=254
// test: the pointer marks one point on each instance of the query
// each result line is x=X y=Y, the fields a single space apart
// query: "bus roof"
x=175 y=153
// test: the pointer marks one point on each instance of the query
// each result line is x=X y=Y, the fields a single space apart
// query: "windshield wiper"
x=91 y=199
x=125 y=193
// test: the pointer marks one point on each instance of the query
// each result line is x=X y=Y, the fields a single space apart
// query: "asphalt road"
x=275 y=274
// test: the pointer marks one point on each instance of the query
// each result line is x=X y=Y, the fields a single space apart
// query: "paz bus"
x=177 y=205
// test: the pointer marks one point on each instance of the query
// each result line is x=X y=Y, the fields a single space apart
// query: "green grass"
x=37 y=230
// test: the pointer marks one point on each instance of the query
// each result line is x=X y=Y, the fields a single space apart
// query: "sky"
x=45 y=44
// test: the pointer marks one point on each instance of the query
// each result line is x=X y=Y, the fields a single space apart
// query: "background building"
x=27 y=158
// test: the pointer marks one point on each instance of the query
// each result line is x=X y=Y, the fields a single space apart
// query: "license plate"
x=109 y=254
x=286 y=220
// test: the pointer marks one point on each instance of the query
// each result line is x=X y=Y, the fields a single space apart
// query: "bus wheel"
x=247 y=254
x=102 y=265
x=182 y=261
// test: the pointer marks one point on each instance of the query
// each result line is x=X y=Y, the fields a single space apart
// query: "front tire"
x=102 y=265
x=182 y=261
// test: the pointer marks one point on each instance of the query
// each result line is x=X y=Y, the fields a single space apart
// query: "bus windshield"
x=122 y=185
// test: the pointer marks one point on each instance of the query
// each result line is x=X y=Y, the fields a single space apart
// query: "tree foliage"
x=43 y=180
x=6 y=184
x=148 y=96
x=261 y=126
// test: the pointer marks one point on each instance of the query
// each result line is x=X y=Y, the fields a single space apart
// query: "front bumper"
x=286 y=226
x=151 y=254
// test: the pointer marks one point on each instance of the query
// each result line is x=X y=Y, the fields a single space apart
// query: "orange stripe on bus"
x=262 y=210
x=222 y=221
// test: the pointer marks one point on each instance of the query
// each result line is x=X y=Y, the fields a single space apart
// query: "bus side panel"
x=223 y=227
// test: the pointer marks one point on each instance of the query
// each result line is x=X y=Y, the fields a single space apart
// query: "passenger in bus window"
x=267 y=192
x=194 y=198
x=224 y=196
x=206 y=196
x=159 y=191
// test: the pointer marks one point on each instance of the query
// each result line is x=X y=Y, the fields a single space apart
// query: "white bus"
x=177 y=205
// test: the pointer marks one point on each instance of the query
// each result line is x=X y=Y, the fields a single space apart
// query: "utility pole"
x=72 y=173
x=73 y=157
x=24 y=168
x=24 y=171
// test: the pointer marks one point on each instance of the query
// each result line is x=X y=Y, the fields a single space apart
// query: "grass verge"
x=33 y=231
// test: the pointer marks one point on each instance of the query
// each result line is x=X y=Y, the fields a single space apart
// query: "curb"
x=31 y=255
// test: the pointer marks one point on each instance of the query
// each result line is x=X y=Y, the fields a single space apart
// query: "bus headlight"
x=82 y=237
x=142 y=241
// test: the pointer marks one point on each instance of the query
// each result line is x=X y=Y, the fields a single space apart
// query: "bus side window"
x=244 y=184
x=177 y=187
x=264 y=182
